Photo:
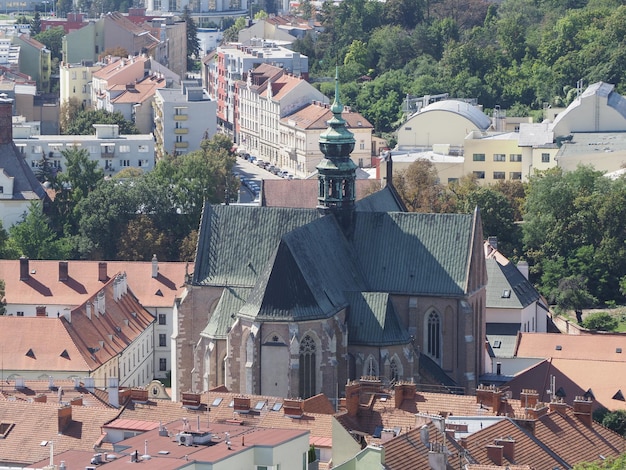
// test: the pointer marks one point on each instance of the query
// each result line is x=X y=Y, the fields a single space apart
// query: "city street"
x=253 y=173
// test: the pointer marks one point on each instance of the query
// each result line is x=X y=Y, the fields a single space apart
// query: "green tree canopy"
x=53 y=39
x=193 y=43
x=82 y=123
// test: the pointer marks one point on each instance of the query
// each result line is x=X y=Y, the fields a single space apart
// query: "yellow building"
x=75 y=82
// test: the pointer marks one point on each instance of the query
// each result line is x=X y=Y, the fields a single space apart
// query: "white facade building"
x=112 y=151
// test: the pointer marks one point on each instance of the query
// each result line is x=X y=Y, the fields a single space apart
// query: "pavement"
x=253 y=173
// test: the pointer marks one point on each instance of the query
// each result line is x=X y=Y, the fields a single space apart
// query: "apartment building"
x=35 y=60
x=231 y=63
x=183 y=118
x=75 y=81
x=112 y=151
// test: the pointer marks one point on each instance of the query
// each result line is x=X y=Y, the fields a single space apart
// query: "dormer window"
x=506 y=294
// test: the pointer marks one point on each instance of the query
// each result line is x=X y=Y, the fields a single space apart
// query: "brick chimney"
x=559 y=406
x=495 y=454
x=353 y=398
x=583 y=410
x=537 y=412
x=102 y=272
x=114 y=391
x=41 y=398
x=77 y=401
x=489 y=396
x=508 y=446
x=404 y=391
x=24 y=274
x=6 y=119
x=529 y=398
x=63 y=271
x=64 y=418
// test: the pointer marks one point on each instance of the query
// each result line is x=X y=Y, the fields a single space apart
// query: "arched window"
x=308 y=368
x=370 y=368
x=393 y=370
x=433 y=339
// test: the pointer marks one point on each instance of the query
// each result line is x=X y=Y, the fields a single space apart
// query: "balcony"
x=181 y=130
x=181 y=145
x=180 y=117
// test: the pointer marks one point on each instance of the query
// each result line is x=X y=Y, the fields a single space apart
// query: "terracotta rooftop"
x=302 y=193
x=316 y=115
x=52 y=391
x=138 y=92
x=590 y=347
x=44 y=288
x=30 y=428
x=602 y=379
x=120 y=68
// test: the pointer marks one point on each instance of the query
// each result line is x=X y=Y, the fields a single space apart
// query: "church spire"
x=337 y=171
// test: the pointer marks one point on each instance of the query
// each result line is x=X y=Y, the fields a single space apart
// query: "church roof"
x=373 y=320
x=221 y=320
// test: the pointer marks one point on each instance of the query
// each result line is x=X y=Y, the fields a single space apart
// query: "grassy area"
x=616 y=312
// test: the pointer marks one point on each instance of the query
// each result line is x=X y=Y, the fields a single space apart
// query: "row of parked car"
x=266 y=165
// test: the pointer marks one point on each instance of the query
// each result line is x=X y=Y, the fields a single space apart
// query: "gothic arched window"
x=433 y=339
x=308 y=368
x=393 y=370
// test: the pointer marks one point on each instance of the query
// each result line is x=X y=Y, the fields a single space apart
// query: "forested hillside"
x=520 y=54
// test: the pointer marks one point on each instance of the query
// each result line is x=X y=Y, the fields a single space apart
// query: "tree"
x=82 y=123
x=615 y=421
x=69 y=111
x=600 y=321
x=232 y=33
x=618 y=463
x=141 y=239
x=53 y=39
x=81 y=174
x=419 y=187
x=33 y=237
x=3 y=301
x=35 y=24
x=574 y=295
x=193 y=43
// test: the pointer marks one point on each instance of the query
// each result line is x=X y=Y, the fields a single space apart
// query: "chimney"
x=293 y=407
x=77 y=401
x=24 y=275
x=495 y=454
x=559 y=406
x=114 y=391
x=6 y=119
x=353 y=400
x=41 y=398
x=529 y=398
x=41 y=311
x=389 y=170
x=155 y=266
x=522 y=267
x=240 y=404
x=102 y=271
x=63 y=271
x=493 y=241
x=537 y=412
x=404 y=391
x=583 y=410
x=508 y=446
x=64 y=418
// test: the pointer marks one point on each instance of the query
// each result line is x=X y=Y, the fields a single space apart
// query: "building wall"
x=85 y=43
x=492 y=168
x=136 y=361
x=601 y=161
x=35 y=62
x=434 y=127
x=112 y=154
x=75 y=82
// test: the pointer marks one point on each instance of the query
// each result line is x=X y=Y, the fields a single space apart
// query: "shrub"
x=601 y=321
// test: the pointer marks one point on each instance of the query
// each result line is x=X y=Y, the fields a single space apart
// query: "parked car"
x=251 y=158
x=260 y=163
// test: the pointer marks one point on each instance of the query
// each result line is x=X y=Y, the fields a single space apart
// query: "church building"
x=295 y=302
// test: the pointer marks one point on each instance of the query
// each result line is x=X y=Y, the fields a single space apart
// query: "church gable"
x=308 y=275
x=236 y=242
x=372 y=320
x=426 y=254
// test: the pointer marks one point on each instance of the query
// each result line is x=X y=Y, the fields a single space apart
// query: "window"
x=479 y=157
x=179 y=138
x=162 y=364
x=433 y=339
x=515 y=175
x=545 y=158
x=499 y=157
x=162 y=340
x=362 y=145
x=124 y=148
x=307 y=369
x=498 y=175
x=393 y=368
x=124 y=162
x=143 y=148
x=20 y=314
x=162 y=319
x=84 y=75
x=480 y=175
x=515 y=157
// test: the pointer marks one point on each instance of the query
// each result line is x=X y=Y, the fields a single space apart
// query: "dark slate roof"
x=25 y=184
x=238 y=241
x=311 y=269
x=506 y=277
x=373 y=321
x=426 y=254
x=385 y=200
x=228 y=306
x=502 y=338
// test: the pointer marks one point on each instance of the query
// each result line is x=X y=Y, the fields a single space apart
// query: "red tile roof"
x=591 y=347
x=44 y=287
x=36 y=423
x=303 y=193
x=316 y=116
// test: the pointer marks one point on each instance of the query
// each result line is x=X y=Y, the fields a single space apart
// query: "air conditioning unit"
x=185 y=439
